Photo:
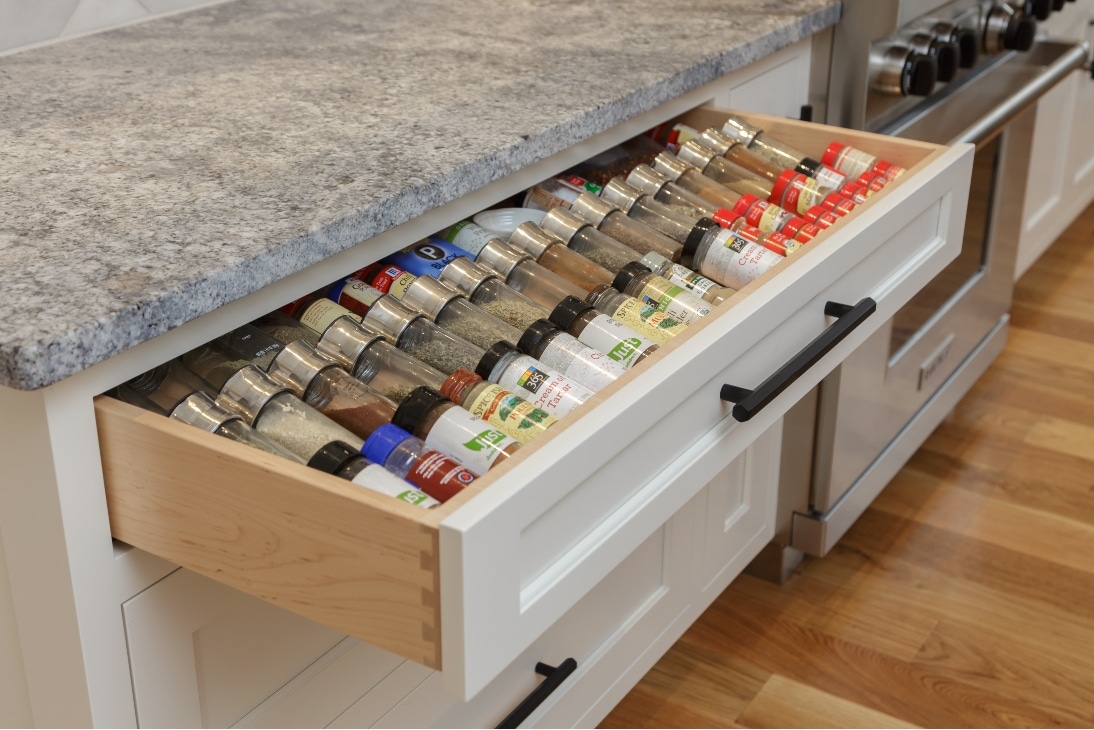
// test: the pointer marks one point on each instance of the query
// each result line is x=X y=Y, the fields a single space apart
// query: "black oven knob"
x=1020 y=34
x=1039 y=9
x=944 y=52
x=1058 y=5
x=920 y=73
x=968 y=47
x=1006 y=30
x=897 y=70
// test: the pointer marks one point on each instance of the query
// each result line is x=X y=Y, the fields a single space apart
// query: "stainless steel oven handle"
x=998 y=117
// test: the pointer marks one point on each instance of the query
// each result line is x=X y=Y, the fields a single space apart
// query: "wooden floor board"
x=964 y=596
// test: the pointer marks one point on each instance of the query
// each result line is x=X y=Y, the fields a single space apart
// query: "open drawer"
x=468 y=586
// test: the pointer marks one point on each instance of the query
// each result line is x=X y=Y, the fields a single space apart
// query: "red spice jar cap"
x=458 y=384
x=831 y=153
x=779 y=188
x=744 y=204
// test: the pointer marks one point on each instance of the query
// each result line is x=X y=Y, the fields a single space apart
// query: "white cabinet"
x=1060 y=183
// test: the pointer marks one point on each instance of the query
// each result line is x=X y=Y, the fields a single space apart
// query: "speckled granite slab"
x=153 y=173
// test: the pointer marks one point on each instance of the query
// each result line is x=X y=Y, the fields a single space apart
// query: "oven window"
x=969 y=263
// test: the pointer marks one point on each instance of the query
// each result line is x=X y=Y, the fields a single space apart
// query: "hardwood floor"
x=964 y=596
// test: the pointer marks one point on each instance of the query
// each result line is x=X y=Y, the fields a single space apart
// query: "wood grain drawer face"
x=504 y=560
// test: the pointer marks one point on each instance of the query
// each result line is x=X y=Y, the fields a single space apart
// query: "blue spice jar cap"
x=382 y=442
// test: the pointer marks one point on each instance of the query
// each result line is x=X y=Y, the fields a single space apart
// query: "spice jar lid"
x=695 y=154
x=655 y=262
x=247 y=392
x=831 y=152
x=389 y=318
x=334 y=457
x=465 y=276
x=532 y=239
x=148 y=381
x=428 y=296
x=457 y=384
x=345 y=341
x=597 y=293
x=620 y=194
x=568 y=310
x=592 y=209
x=646 y=179
x=415 y=406
x=382 y=442
x=809 y=166
x=297 y=365
x=712 y=139
x=778 y=189
x=501 y=258
x=491 y=357
x=533 y=336
x=739 y=130
x=627 y=274
x=562 y=223
x=698 y=232
x=198 y=409
x=670 y=166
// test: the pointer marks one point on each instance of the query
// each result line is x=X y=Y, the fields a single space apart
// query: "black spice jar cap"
x=334 y=457
x=535 y=333
x=490 y=359
x=568 y=310
x=629 y=273
x=808 y=166
x=414 y=406
x=698 y=233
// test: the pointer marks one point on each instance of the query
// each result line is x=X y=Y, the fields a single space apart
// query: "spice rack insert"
x=467 y=586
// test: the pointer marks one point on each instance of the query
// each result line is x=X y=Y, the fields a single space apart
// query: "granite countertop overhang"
x=153 y=173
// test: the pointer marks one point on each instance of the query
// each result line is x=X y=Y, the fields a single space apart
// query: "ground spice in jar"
x=497 y=406
x=675 y=301
x=396 y=393
x=552 y=254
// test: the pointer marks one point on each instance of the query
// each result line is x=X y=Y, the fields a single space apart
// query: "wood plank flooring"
x=964 y=596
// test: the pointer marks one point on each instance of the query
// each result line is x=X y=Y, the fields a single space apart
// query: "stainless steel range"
x=946 y=72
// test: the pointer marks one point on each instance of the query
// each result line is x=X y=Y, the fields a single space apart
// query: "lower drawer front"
x=473 y=584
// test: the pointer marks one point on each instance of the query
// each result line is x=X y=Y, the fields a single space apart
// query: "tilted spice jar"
x=551 y=253
x=706 y=289
x=414 y=334
x=564 y=352
x=645 y=208
x=544 y=387
x=596 y=329
x=489 y=292
x=675 y=301
x=406 y=456
x=731 y=258
x=520 y=271
x=497 y=406
x=636 y=314
x=453 y=312
x=198 y=409
x=579 y=235
x=629 y=231
x=344 y=461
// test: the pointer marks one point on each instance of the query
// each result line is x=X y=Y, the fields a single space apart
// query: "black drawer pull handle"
x=747 y=403
x=554 y=677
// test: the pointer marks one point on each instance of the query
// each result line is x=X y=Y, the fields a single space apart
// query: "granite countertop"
x=153 y=173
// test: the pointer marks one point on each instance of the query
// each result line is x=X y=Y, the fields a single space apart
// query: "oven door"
x=878 y=407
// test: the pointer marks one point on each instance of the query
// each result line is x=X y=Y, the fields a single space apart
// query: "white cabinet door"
x=777 y=85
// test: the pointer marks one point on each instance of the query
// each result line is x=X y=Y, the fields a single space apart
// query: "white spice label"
x=677 y=303
x=379 y=479
x=542 y=387
x=829 y=178
x=470 y=237
x=854 y=162
x=468 y=439
x=735 y=261
x=323 y=312
x=616 y=339
x=586 y=365
x=690 y=280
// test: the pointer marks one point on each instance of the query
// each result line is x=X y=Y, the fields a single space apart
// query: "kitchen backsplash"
x=29 y=22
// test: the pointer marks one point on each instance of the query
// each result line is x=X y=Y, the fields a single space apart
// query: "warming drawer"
x=467 y=587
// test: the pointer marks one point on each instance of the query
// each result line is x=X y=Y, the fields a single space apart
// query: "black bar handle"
x=554 y=677
x=747 y=403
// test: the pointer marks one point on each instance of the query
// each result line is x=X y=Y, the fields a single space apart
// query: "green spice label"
x=467 y=438
x=415 y=496
x=486 y=440
x=647 y=321
x=625 y=350
x=511 y=414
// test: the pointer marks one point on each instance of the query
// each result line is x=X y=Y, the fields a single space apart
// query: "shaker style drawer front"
x=471 y=585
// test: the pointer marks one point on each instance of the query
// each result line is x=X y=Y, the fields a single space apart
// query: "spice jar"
x=279 y=415
x=415 y=335
x=164 y=387
x=769 y=148
x=426 y=257
x=618 y=341
x=629 y=231
x=854 y=162
x=565 y=353
x=285 y=329
x=644 y=208
x=407 y=457
x=662 y=188
x=520 y=271
x=580 y=236
x=675 y=301
x=543 y=387
x=550 y=253
x=497 y=406
x=375 y=361
x=640 y=316
x=325 y=386
x=730 y=258
x=615 y=161
x=317 y=312
x=468 y=236
x=199 y=410
x=449 y=429
x=706 y=289
x=717 y=193
x=217 y=361
x=360 y=291
x=343 y=461
x=455 y=313
x=490 y=293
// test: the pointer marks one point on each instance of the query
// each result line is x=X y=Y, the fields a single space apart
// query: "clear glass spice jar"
x=706 y=289
x=199 y=410
x=344 y=461
x=648 y=180
x=640 y=316
x=714 y=192
x=446 y=427
x=579 y=235
x=552 y=254
x=596 y=329
x=629 y=231
x=675 y=301
x=497 y=406
x=415 y=335
x=162 y=388
x=325 y=386
x=730 y=258
x=285 y=329
x=855 y=162
x=520 y=271
x=643 y=207
x=317 y=312
x=280 y=416
x=544 y=387
x=489 y=292
x=406 y=456
x=568 y=355
x=453 y=312
x=217 y=361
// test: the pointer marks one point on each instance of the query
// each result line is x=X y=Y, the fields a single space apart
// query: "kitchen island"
x=166 y=182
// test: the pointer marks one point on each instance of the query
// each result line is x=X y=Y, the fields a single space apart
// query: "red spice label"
x=888 y=170
x=821 y=217
x=724 y=217
x=872 y=183
x=838 y=204
x=855 y=191
x=439 y=476
x=806 y=233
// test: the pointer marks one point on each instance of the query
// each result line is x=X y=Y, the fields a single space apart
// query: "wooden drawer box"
x=469 y=586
